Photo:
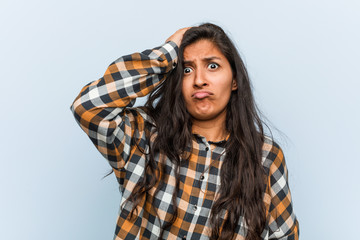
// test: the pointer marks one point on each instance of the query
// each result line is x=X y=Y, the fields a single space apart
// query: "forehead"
x=202 y=49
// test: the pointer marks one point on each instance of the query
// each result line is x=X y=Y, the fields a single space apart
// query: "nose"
x=200 y=79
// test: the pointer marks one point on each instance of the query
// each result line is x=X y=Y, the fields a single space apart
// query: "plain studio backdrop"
x=302 y=56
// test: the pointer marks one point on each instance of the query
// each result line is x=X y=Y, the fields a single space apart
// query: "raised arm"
x=102 y=108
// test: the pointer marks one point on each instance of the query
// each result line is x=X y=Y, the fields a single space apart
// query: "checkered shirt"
x=104 y=111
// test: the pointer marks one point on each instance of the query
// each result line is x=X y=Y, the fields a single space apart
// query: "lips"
x=201 y=94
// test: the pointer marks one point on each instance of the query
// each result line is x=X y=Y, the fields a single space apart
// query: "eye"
x=213 y=66
x=187 y=70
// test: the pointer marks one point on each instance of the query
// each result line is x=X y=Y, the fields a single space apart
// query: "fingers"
x=178 y=35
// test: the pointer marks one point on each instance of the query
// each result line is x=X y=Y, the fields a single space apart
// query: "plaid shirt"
x=104 y=111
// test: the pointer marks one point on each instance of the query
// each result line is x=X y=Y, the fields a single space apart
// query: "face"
x=207 y=82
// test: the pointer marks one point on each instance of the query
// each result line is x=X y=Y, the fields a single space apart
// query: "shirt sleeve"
x=102 y=108
x=282 y=223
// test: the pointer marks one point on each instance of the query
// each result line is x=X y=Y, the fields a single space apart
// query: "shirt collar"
x=199 y=138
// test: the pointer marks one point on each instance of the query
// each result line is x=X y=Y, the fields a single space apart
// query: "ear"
x=234 y=84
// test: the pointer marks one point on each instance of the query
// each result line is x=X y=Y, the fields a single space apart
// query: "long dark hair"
x=241 y=174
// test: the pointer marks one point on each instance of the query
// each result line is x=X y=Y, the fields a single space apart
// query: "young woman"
x=193 y=163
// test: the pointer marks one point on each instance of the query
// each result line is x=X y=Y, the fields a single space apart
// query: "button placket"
x=203 y=177
x=207 y=147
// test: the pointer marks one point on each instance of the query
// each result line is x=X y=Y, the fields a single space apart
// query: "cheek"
x=185 y=90
x=225 y=87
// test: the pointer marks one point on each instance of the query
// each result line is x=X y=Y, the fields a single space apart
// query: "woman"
x=194 y=162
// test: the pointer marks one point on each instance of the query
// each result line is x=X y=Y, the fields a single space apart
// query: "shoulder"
x=136 y=123
x=140 y=112
x=272 y=155
x=144 y=112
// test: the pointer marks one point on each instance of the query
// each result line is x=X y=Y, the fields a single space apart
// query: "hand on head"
x=177 y=36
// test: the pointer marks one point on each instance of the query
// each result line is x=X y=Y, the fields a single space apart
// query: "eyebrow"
x=207 y=59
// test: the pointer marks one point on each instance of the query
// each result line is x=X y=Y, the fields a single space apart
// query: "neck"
x=213 y=130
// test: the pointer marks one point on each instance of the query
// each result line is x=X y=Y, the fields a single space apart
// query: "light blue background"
x=303 y=57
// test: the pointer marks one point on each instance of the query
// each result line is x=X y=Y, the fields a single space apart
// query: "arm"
x=282 y=223
x=102 y=107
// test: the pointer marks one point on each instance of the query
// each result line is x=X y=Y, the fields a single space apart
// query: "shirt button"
x=207 y=149
x=195 y=207
x=202 y=177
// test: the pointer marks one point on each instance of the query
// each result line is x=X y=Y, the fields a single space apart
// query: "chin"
x=203 y=116
x=206 y=114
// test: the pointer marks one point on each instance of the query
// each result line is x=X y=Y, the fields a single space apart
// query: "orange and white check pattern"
x=120 y=132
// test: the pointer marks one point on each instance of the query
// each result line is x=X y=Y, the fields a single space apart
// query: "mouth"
x=201 y=94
